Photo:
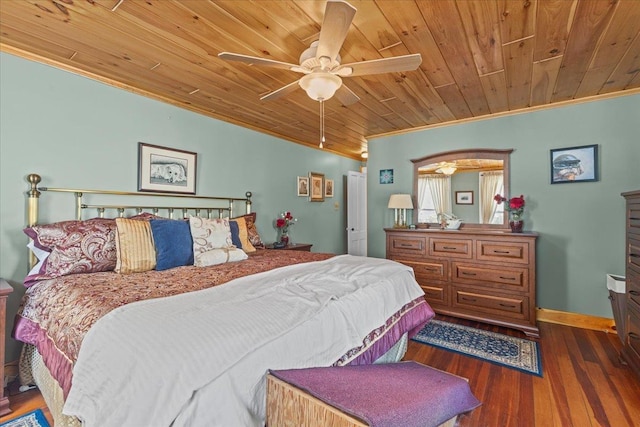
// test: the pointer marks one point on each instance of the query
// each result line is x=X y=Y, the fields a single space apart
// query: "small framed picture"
x=386 y=176
x=328 y=188
x=166 y=170
x=464 y=197
x=316 y=184
x=574 y=164
x=303 y=186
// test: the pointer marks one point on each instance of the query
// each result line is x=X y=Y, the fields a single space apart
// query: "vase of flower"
x=282 y=223
x=515 y=207
x=284 y=237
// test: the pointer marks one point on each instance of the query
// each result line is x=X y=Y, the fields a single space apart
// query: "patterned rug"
x=504 y=350
x=32 y=419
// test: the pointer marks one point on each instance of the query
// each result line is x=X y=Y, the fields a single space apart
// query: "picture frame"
x=316 y=187
x=328 y=188
x=303 y=186
x=574 y=164
x=386 y=176
x=464 y=197
x=166 y=170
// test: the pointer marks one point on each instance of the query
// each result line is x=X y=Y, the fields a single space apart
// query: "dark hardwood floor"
x=583 y=384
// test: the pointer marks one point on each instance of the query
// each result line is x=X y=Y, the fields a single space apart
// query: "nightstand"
x=5 y=290
x=293 y=247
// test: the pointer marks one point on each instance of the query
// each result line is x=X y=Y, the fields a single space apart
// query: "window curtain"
x=490 y=185
x=439 y=186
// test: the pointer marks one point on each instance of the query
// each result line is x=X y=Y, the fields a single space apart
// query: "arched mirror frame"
x=473 y=153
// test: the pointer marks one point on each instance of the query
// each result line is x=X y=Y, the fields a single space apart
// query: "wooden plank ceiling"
x=479 y=57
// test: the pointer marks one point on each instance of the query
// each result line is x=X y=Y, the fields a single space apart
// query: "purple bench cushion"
x=400 y=394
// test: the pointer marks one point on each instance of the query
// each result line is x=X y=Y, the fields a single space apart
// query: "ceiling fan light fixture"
x=447 y=170
x=320 y=86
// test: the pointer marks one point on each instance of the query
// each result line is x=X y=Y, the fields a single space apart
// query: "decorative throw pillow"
x=243 y=234
x=252 y=230
x=135 y=251
x=235 y=234
x=220 y=256
x=209 y=234
x=73 y=247
x=173 y=243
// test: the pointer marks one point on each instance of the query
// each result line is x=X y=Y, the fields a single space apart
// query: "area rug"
x=512 y=352
x=32 y=419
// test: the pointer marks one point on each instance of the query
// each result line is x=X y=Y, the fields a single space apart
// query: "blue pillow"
x=173 y=242
x=235 y=234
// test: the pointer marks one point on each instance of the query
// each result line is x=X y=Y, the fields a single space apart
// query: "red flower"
x=515 y=205
x=517 y=202
x=280 y=222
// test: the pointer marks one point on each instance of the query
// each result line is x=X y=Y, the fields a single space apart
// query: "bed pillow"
x=220 y=256
x=76 y=246
x=173 y=243
x=135 y=251
x=209 y=234
x=235 y=234
x=243 y=234
x=252 y=230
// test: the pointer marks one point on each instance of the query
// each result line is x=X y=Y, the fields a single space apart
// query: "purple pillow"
x=74 y=247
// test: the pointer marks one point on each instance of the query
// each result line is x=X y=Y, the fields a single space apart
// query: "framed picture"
x=386 y=176
x=166 y=170
x=316 y=184
x=328 y=188
x=464 y=197
x=303 y=186
x=574 y=164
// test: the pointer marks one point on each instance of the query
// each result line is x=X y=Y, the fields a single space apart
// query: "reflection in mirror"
x=462 y=184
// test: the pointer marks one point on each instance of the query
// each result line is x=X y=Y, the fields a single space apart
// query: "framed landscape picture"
x=574 y=164
x=166 y=170
x=464 y=197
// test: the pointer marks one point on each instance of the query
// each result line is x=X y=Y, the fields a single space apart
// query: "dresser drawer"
x=633 y=252
x=428 y=269
x=436 y=295
x=451 y=248
x=513 y=278
x=513 y=307
x=513 y=252
x=633 y=333
x=407 y=245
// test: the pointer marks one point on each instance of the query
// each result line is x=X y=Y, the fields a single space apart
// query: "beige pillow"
x=209 y=234
x=243 y=234
x=135 y=251
x=219 y=256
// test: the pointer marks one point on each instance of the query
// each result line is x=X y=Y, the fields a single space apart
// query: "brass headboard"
x=216 y=208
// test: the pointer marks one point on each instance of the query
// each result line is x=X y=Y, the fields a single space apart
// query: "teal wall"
x=581 y=225
x=76 y=132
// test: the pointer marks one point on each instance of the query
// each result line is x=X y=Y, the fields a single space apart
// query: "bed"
x=172 y=315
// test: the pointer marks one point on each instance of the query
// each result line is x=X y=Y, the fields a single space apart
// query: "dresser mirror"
x=461 y=185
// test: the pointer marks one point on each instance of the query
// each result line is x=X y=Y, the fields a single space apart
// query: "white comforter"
x=199 y=359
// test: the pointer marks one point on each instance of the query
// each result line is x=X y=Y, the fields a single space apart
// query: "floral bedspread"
x=56 y=314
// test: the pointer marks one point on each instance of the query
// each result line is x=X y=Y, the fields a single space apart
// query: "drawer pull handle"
x=468 y=299
x=634 y=255
x=634 y=336
x=635 y=293
x=466 y=273
x=453 y=248
x=406 y=245
x=507 y=305
x=507 y=278
x=501 y=252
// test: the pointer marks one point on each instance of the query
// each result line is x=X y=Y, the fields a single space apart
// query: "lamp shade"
x=447 y=170
x=400 y=201
x=320 y=86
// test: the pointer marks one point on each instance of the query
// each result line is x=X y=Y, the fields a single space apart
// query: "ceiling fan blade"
x=281 y=92
x=378 y=66
x=254 y=60
x=346 y=96
x=335 y=25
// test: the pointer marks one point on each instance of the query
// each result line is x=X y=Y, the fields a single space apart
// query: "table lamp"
x=400 y=203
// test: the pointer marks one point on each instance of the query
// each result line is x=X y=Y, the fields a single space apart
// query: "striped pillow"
x=135 y=251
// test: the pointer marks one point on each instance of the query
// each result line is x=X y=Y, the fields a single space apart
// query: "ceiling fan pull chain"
x=321 y=123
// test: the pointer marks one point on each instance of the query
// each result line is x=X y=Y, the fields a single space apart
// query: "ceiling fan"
x=321 y=62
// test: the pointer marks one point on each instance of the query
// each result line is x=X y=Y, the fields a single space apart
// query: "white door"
x=357 y=213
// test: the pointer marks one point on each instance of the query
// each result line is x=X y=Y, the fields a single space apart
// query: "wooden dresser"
x=5 y=290
x=488 y=276
x=631 y=346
